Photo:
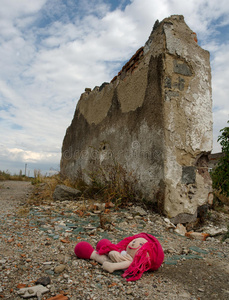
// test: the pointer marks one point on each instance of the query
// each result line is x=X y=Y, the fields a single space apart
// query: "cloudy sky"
x=50 y=50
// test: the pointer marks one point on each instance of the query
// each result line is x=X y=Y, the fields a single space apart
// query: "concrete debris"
x=185 y=250
x=197 y=235
x=169 y=224
x=213 y=231
x=63 y=193
x=35 y=249
x=180 y=229
x=30 y=292
x=139 y=210
x=43 y=281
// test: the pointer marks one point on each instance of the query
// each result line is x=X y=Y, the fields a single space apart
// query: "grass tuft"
x=111 y=184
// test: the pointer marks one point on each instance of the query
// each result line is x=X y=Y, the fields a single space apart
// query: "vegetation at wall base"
x=112 y=183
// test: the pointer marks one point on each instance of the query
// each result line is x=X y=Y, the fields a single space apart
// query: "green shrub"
x=220 y=174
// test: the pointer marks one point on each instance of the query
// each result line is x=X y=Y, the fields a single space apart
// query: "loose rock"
x=180 y=229
x=43 y=281
x=59 y=269
x=32 y=291
x=63 y=192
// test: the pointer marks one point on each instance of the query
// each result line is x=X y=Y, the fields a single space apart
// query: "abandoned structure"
x=154 y=119
x=214 y=159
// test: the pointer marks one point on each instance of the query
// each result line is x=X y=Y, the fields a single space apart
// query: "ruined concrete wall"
x=154 y=118
x=188 y=121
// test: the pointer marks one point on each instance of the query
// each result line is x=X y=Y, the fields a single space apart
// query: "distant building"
x=214 y=159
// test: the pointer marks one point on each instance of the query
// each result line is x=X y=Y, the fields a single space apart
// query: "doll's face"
x=134 y=246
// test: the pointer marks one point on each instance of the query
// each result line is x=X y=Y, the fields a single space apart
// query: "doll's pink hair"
x=149 y=257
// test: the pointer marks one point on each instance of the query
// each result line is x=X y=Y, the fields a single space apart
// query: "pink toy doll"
x=135 y=254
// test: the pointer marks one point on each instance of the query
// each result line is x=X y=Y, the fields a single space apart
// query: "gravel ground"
x=38 y=242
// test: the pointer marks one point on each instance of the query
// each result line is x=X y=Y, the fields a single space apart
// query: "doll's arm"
x=111 y=267
x=99 y=258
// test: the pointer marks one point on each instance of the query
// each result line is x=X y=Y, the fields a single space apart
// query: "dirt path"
x=12 y=194
x=38 y=241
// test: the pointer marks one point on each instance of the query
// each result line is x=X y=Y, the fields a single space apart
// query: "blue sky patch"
x=16 y=127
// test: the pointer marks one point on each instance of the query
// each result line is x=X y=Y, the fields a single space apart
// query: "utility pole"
x=25 y=169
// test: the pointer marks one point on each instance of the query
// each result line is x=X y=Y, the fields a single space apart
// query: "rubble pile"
x=37 y=254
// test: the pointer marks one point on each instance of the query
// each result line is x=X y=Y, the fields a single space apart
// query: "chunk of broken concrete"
x=32 y=291
x=180 y=229
x=201 y=236
x=43 y=281
x=213 y=231
x=169 y=225
x=63 y=192
x=139 y=210
x=184 y=218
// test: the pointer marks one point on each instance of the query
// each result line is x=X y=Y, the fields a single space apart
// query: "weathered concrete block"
x=33 y=291
x=63 y=192
x=184 y=218
x=154 y=118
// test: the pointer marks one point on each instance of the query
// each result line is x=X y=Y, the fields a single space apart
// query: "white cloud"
x=50 y=51
x=12 y=8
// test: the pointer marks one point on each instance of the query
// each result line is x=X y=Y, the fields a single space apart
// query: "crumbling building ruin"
x=155 y=117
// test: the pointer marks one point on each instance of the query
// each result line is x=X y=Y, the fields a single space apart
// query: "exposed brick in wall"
x=130 y=65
